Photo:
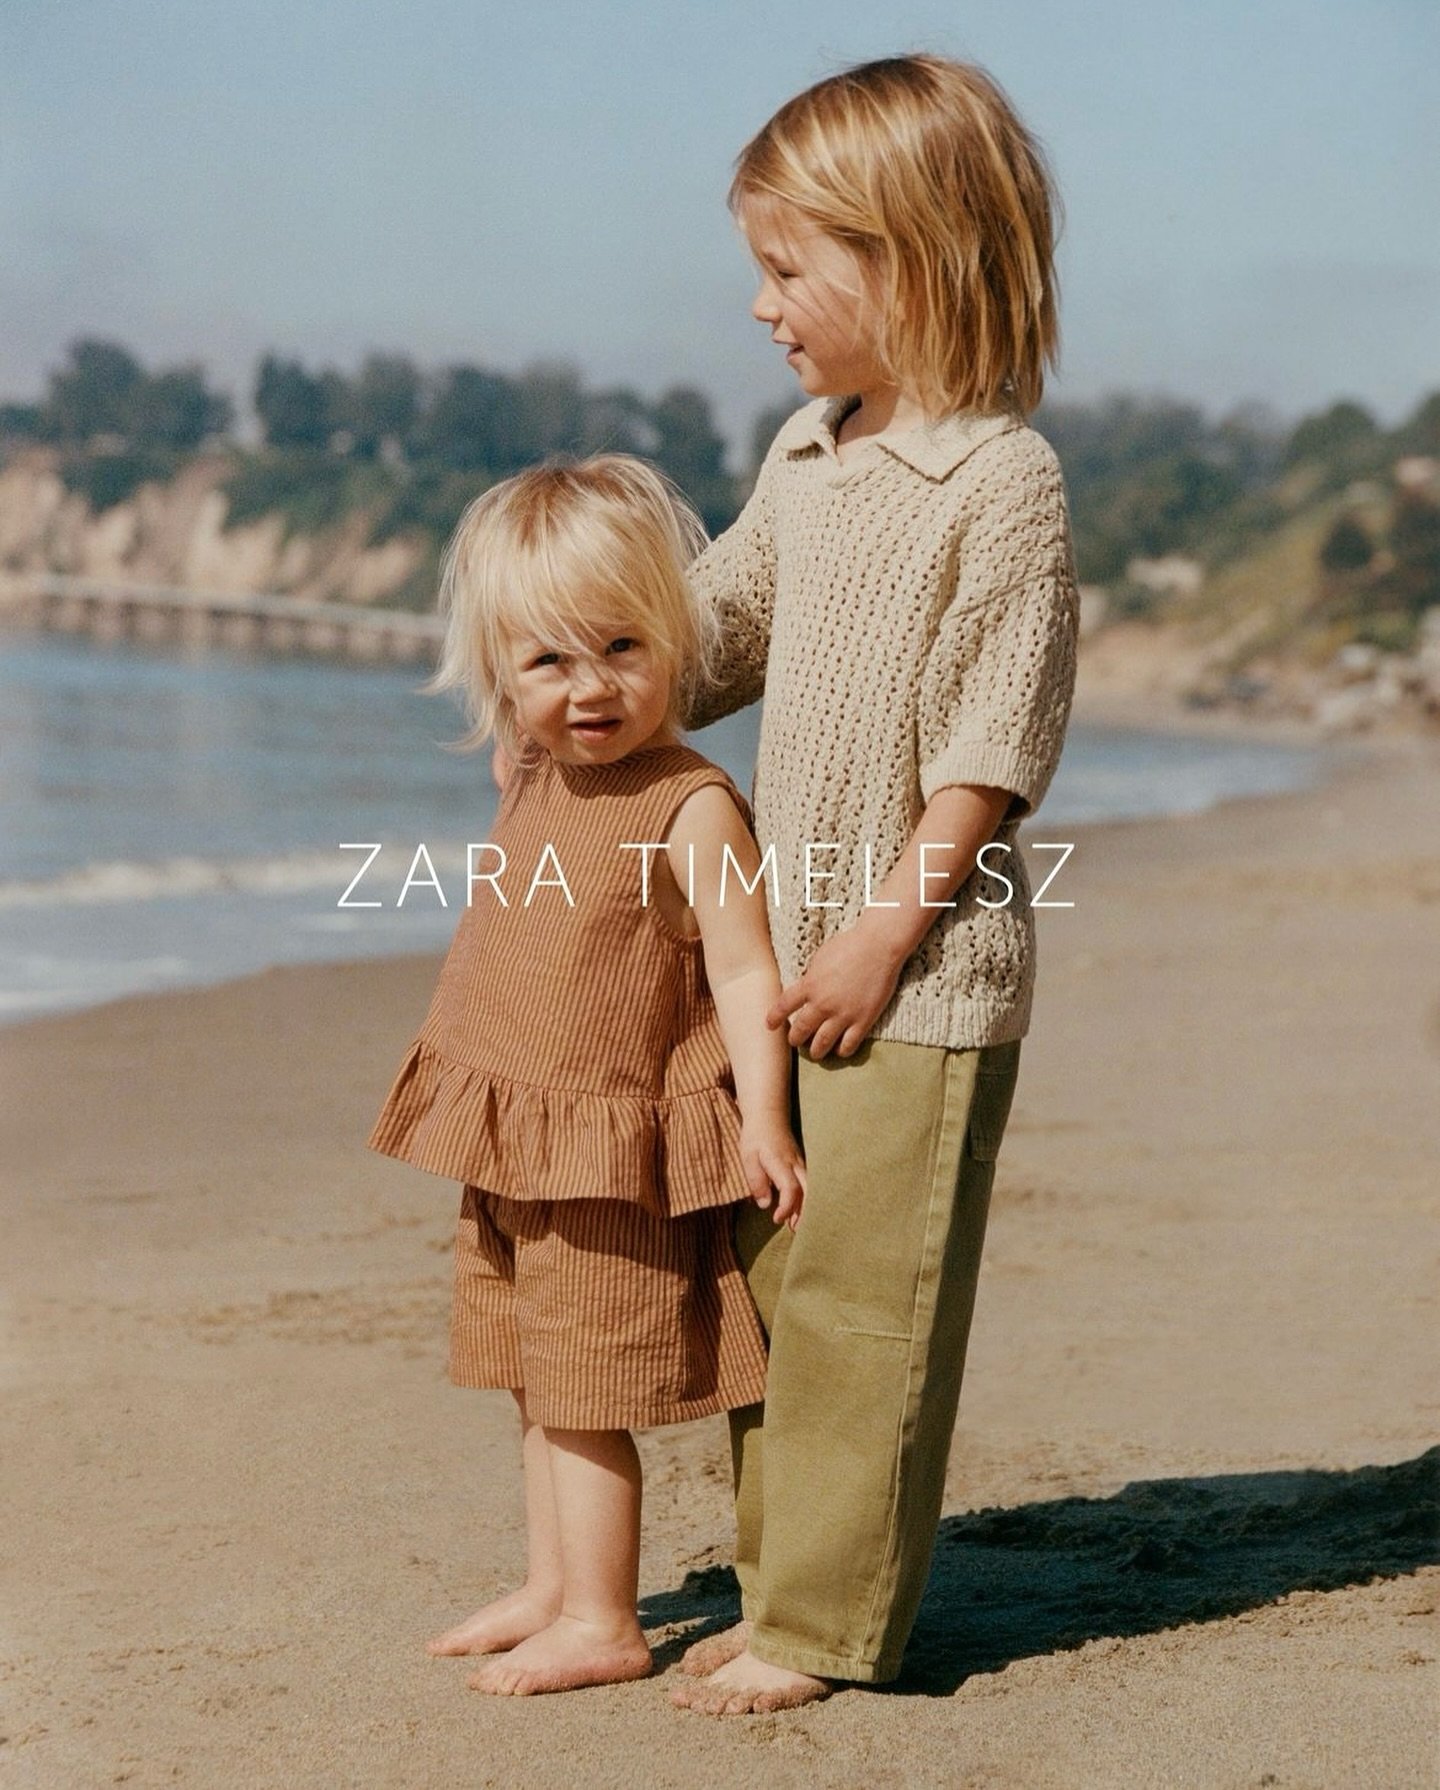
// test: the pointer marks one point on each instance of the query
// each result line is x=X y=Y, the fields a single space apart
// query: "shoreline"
x=134 y=948
x=1121 y=711
x=1348 y=760
x=245 y=1493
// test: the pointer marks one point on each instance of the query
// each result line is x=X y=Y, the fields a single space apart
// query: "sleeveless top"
x=573 y=1051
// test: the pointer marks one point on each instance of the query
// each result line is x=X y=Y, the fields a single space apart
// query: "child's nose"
x=766 y=309
x=593 y=677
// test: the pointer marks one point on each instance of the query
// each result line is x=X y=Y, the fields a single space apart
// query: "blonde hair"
x=553 y=553
x=921 y=167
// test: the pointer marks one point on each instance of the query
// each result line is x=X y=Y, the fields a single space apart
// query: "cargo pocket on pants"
x=995 y=1077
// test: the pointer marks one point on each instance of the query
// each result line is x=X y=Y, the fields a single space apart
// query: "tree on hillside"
x=1250 y=440
x=1347 y=547
x=22 y=422
x=104 y=392
x=618 y=422
x=294 y=408
x=1154 y=476
x=92 y=395
x=1420 y=433
x=176 y=410
x=476 y=423
x=383 y=403
x=1331 y=435
x=552 y=398
x=690 y=449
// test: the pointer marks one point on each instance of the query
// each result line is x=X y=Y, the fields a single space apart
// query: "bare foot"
x=748 y=1686
x=715 y=1651
x=566 y=1656
x=499 y=1626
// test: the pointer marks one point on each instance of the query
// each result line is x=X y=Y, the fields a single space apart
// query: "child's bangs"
x=571 y=584
x=806 y=160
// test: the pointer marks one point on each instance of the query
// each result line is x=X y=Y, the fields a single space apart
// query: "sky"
x=1250 y=186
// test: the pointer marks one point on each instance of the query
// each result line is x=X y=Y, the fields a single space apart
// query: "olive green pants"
x=839 y=1475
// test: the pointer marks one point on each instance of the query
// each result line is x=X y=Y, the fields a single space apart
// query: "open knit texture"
x=911 y=619
x=574 y=1052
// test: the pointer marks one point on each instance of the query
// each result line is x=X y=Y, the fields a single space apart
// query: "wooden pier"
x=270 y=624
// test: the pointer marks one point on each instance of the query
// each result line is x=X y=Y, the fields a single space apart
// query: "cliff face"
x=1250 y=638
x=175 y=533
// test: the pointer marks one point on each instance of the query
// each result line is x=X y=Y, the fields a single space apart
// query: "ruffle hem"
x=675 y=1154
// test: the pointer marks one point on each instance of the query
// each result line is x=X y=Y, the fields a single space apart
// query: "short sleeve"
x=999 y=677
x=735 y=577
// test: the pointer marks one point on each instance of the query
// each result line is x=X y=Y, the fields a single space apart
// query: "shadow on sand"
x=1009 y=1584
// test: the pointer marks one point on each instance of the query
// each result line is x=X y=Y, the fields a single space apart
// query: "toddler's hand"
x=774 y=1169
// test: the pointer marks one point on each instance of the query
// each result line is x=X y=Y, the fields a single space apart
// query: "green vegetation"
x=1154 y=478
x=428 y=502
x=1306 y=529
x=1306 y=536
x=106 y=477
x=103 y=400
x=310 y=488
x=431 y=439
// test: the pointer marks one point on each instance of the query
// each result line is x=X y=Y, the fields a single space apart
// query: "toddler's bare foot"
x=499 y=1626
x=566 y=1656
x=748 y=1686
x=715 y=1651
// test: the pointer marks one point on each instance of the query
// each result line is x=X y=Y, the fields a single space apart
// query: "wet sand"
x=1186 y=1533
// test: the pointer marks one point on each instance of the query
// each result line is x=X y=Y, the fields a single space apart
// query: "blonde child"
x=575 y=1068
x=900 y=587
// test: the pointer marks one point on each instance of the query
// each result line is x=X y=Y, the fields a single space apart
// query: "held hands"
x=847 y=985
x=774 y=1168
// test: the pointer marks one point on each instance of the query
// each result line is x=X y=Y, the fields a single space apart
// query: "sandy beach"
x=1187 y=1525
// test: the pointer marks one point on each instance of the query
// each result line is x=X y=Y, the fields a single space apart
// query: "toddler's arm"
x=744 y=979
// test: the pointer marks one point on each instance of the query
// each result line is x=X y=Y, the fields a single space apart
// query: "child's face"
x=816 y=301
x=591 y=707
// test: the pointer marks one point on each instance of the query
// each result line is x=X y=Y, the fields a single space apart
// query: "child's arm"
x=848 y=982
x=994 y=699
x=744 y=980
x=735 y=578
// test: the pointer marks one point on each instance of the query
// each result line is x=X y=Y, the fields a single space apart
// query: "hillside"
x=182 y=530
x=1226 y=563
x=1328 y=613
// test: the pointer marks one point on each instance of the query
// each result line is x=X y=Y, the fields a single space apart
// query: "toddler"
x=595 y=1067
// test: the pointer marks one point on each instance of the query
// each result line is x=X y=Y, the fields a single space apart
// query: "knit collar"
x=934 y=449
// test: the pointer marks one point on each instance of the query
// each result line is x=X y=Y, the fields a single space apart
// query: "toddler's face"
x=816 y=300
x=595 y=706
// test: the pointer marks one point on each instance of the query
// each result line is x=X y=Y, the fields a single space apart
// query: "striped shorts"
x=603 y=1314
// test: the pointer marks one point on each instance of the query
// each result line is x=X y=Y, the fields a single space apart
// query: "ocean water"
x=169 y=819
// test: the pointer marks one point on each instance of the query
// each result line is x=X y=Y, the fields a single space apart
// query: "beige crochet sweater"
x=910 y=618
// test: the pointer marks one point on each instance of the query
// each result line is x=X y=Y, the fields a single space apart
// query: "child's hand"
x=847 y=985
x=774 y=1169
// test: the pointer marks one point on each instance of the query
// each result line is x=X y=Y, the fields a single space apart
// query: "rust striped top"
x=572 y=1051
